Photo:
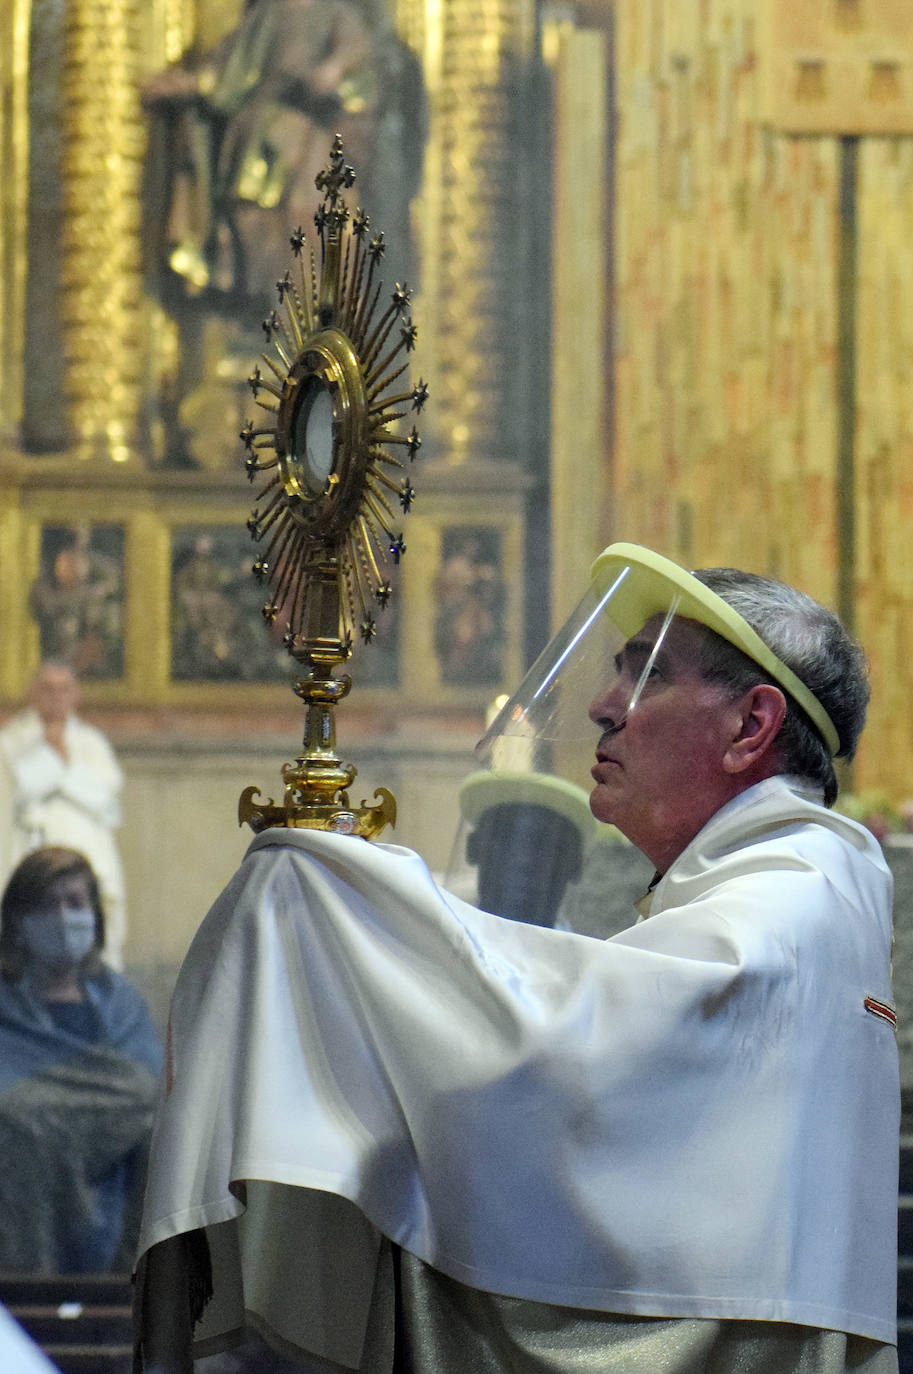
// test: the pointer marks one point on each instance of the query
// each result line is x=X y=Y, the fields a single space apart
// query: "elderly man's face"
x=661 y=777
x=55 y=693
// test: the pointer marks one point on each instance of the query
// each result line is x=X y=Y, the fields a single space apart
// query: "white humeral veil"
x=697 y=1117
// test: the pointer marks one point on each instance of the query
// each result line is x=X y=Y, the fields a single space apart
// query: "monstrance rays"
x=326 y=380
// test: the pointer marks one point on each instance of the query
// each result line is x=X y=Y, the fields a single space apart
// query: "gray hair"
x=810 y=640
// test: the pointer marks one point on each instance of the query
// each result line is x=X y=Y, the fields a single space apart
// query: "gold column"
x=102 y=165
x=14 y=60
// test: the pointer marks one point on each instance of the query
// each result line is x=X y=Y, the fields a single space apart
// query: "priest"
x=404 y=1134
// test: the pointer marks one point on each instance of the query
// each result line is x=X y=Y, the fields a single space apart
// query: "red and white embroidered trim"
x=882 y=1009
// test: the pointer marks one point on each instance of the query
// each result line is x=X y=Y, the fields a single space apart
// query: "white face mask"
x=59 y=937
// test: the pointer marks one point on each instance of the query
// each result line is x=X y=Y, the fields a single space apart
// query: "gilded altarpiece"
x=95 y=366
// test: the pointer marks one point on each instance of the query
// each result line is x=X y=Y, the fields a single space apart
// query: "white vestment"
x=696 y=1118
x=73 y=802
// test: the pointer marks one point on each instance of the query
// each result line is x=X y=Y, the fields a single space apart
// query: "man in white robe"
x=61 y=785
x=421 y=1138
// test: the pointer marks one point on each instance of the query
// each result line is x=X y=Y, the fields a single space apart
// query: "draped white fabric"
x=698 y=1117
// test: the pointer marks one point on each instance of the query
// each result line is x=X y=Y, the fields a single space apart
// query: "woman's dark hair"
x=25 y=892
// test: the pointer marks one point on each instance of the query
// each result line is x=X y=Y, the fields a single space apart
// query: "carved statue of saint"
x=238 y=136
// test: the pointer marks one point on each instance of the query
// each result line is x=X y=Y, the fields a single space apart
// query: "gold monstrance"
x=325 y=516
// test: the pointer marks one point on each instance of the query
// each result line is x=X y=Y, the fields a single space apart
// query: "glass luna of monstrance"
x=326 y=518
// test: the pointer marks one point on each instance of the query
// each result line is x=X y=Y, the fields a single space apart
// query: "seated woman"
x=79 y=1067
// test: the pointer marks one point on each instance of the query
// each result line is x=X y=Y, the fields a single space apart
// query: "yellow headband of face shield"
x=648 y=587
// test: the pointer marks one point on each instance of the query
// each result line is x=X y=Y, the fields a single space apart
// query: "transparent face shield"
x=598 y=672
x=583 y=676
